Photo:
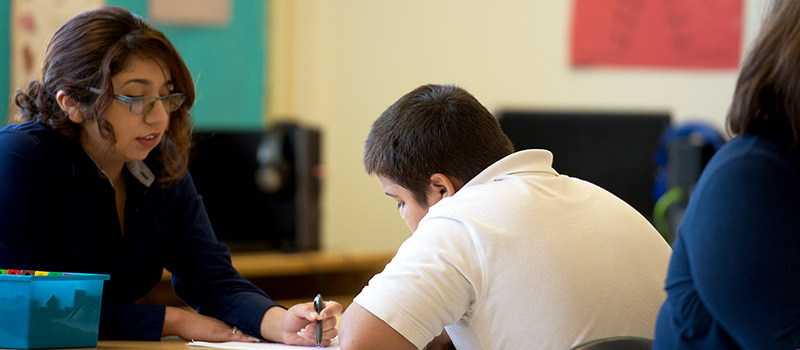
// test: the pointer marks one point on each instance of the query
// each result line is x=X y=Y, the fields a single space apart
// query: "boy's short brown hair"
x=434 y=129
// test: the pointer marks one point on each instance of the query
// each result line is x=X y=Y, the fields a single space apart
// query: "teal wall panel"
x=227 y=65
x=5 y=59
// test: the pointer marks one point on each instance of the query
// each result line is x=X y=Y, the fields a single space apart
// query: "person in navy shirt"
x=93 y=179
x=732 y=280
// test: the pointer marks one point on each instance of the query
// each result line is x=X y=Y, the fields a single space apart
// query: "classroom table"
x=166 y=344
x=290 y=278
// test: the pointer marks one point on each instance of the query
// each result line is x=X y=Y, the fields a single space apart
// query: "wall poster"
x=705 y=34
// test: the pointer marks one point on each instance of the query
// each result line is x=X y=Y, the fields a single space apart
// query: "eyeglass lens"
x=143 y=105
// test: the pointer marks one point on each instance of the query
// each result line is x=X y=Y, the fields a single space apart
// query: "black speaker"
x=261 y=187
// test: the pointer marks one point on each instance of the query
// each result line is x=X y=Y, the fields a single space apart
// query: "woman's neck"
x=111 y=169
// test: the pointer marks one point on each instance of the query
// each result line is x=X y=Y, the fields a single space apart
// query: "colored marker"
x=27 y=272
x=12 y=272
x=41 y=273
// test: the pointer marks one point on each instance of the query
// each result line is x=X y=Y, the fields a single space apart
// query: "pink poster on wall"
x=704 y=34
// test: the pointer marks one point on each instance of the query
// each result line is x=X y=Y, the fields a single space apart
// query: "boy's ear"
x=69 y=105
x=443 y=186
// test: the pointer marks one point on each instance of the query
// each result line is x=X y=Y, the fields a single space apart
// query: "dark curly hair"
x=88 y=51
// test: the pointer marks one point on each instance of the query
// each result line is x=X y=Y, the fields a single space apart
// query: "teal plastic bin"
x=50 y=311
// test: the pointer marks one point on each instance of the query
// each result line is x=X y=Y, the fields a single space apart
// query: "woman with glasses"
x=93 y=179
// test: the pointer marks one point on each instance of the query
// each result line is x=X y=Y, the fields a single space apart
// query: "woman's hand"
x=190 y=325
x=298 y=325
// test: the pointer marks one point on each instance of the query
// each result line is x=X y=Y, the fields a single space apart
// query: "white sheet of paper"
x=257 y=346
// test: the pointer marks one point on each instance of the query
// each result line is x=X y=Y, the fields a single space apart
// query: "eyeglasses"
x=144 y=104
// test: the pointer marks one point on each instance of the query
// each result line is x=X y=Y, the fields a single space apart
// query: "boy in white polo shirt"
x=505 y=252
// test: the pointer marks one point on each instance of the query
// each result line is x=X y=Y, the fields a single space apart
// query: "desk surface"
x=170 y=344
x=295 y=277
x=261 y=264
x=342 y=268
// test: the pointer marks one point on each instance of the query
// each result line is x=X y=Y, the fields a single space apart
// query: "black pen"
x=318 y=308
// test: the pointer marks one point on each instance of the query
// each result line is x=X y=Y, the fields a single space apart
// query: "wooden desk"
x=290 y=278
x=171 y=344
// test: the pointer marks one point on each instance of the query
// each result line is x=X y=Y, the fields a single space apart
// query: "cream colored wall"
x=339 y=64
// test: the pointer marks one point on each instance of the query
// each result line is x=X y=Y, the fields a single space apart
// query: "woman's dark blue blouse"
x=57 y=213
x=734 y=275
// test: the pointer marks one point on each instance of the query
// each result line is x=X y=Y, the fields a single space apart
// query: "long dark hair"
x=767 y=92
x=87 y=51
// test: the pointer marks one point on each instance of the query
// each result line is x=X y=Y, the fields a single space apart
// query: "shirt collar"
x=141 y=172
x=525 y=161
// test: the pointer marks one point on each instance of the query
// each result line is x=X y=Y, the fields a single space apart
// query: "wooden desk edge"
x=164 y=344
x=263 y=264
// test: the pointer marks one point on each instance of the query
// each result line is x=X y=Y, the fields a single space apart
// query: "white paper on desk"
x=257 y=346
